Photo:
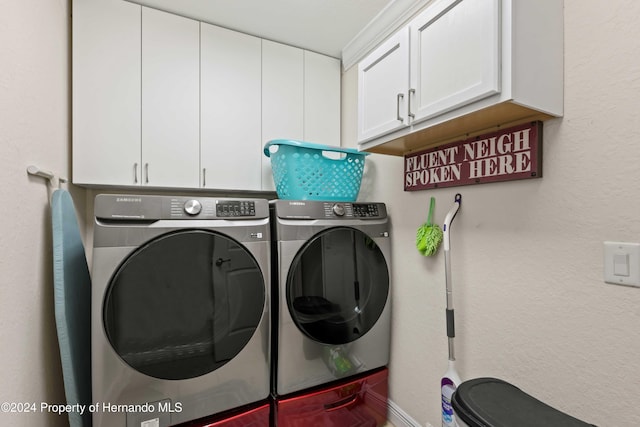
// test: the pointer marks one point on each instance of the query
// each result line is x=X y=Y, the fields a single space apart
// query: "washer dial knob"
x=338 y=209
x=192 y=207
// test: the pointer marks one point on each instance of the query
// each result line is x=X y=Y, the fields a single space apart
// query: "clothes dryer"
x=332 y=281
x=180 y=307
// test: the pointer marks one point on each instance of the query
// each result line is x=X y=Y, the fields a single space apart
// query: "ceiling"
x=323 y=26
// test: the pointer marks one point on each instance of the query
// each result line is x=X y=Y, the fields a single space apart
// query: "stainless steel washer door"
x=337 y=286
x=183 y=304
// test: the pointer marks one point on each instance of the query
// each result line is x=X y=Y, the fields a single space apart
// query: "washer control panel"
x=152 y=208
x=338 y=209
x=235 y=208
x=207 y=208
x=192 y=207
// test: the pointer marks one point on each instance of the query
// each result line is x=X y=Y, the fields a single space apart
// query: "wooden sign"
x=505 y=155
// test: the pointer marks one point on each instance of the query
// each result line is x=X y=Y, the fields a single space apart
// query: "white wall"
x=34 y=129
x=527 y=257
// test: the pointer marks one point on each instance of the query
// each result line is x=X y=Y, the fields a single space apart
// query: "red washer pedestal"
x=360 y=401
x=257 y=416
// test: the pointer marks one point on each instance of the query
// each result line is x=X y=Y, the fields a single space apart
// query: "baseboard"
x=399 y=418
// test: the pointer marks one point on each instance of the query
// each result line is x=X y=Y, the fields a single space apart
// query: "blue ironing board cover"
x=72 y=300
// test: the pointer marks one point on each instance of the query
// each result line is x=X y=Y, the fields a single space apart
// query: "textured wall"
x=527 y=257
x=34 y=129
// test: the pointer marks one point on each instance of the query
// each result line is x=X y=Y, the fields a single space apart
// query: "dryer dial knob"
x=192 y=207
x=338 y=209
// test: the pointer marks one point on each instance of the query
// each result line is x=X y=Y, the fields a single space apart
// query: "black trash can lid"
x=490 y=402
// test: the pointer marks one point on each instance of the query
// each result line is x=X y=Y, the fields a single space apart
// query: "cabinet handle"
x=135 y=173
x=204 y=177
x=411 y=92
x=146 y=173
x=398 y=98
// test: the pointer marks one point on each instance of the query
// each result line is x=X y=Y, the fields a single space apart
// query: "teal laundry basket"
x=307 y=171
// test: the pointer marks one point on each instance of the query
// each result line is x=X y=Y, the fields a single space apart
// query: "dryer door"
x=337 y=286
x=184 y=304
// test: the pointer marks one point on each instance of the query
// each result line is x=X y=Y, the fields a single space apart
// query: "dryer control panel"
x=305 y=209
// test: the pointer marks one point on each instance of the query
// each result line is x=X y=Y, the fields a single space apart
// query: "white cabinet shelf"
x=469 y=67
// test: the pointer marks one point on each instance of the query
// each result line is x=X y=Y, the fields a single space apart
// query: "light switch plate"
x=622 y=263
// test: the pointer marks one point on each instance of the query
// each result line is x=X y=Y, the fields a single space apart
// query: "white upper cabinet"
x=321 y=99
x=300 y=98
x=106 y=92
x=282 y=91
x=135 y=96
x=164 y=101
x=383 y=84
x=282 y=98
x=472 y=65
x=230 y=115
x=455 y=52
x=170 y=100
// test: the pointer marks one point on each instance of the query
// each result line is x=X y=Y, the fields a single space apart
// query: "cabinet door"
x=321 y=99
x=455 y=55
x=106 y=92
x=230 y=116
x=282 y=98
x=170 y=99
x=383 y=81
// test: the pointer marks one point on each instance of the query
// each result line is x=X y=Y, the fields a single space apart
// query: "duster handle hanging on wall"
x=447 y=266
x=451 y=380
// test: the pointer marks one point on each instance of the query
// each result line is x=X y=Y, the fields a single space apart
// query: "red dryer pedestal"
x=253 y=416
x=359 y=401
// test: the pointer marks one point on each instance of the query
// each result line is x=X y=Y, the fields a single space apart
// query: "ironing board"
x=72 y=301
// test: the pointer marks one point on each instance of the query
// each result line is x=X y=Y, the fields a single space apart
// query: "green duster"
x=429 y=235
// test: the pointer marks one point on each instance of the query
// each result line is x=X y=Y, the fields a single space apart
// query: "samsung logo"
x=128 y=199
x=297 y=204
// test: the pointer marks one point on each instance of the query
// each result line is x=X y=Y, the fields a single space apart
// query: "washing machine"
x=331 y=291
x=180 y=307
